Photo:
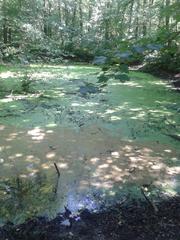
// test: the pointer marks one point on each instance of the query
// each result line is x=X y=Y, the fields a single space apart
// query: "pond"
x=106 y=142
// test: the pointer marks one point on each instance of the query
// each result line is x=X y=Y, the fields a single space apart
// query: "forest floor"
x=111 y=145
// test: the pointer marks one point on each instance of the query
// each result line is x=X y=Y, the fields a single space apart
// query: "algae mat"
x=107 y=142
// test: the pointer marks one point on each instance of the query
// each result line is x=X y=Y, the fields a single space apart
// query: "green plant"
x=113 y=67
x=26 y=83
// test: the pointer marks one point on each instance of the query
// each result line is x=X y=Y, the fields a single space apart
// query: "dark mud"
x=135 y=220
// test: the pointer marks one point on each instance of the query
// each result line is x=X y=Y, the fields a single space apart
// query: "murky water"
x=106 y=144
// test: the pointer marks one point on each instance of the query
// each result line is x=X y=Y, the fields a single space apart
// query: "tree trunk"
x=137 y=21
x=130 y=17
x=144 y=30
x=107 y=23
x=80 y=18
x=167 y=18
x=5 y=32
x=47 y=26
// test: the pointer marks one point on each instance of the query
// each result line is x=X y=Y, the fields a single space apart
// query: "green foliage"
x=122 y=77
x=103 y=77
x=122 y=30
x=26 y=83
x=113 y=67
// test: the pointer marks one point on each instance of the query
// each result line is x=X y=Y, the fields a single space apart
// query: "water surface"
x=107 y=143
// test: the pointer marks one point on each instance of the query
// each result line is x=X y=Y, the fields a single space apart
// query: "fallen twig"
x=149 y=202
x=57 y=170
x=56 y=186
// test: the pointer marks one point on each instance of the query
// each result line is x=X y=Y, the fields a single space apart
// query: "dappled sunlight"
x=36 y=134
x=59 y=102
x=2 y=127
x=173 y=170
x=105 y=144
x=87 y=163
x=160 y=83
x=50 y=155
x=63 y=165
x=9 y=74
x=115 y=118
x=46 y=166
x=12 y=98
x=32 y=159
x=129 y=84
x=45 y=76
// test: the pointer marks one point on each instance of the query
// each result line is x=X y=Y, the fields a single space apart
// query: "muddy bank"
x=135 y=220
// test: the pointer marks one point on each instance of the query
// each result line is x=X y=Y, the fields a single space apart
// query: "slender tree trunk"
x=5 y=32
x=60 y=23
x=80 y=18
x=89 y=14
x=167 y=18
x=73 y=24
x=45 y=27
x=137 y=21
x=66 y=14
x=151 y=3
x=130 y=16
x=144 y=30
x=47 y=12
x=107 y=23
x=9 y=35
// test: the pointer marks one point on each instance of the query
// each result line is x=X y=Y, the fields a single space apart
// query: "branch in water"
x=57 y=170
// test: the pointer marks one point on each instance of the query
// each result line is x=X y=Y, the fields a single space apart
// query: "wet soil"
x=132 y=221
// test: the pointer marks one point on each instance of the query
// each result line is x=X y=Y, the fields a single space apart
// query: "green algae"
x=145 y=107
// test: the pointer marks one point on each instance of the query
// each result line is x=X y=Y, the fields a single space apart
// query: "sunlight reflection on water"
x=76 y=202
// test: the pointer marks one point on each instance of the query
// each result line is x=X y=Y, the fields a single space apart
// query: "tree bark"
x=5 y=32
x=167 y=18
x=144 y=30
x=80 y=18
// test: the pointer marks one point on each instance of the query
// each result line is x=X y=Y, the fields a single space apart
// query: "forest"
x=47 y=30
x=89 y=119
